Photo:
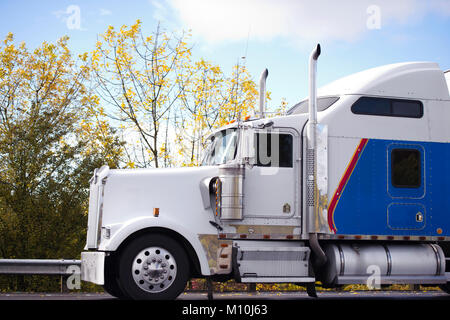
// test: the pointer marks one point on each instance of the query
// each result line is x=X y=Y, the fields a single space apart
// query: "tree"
x=138 y=78
x=210 y=100
x=201 y=101
x=164 y=102
x=51 y=139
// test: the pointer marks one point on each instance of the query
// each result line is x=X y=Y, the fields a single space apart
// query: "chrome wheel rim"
x=154 y=269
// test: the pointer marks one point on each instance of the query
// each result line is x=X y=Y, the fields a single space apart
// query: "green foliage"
x=46 y=158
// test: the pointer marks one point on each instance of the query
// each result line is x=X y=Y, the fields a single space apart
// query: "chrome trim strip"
x=393 y=279
x=389 y=261
x=438 y=258
x=342 y=258
x=382 y=237
x=278 y=236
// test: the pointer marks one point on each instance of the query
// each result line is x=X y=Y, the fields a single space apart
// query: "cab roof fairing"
x=419 y=80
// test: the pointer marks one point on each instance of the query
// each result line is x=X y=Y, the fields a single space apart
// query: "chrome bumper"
x=93 y=267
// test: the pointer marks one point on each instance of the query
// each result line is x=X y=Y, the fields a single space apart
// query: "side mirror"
x=248 y=150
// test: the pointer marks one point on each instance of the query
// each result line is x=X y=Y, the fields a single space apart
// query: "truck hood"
x=176 y=192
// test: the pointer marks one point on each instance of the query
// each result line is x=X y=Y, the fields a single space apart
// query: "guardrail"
x=39 y=267
x=63 y=268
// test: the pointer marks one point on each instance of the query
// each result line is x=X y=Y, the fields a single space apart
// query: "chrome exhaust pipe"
x=313 y=85
x=262 y=93
x=311 y=163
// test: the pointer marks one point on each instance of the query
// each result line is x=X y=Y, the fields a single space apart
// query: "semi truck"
x=349 y=185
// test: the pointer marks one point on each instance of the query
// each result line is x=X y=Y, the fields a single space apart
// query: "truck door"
x=406 y=187
x=270 y=185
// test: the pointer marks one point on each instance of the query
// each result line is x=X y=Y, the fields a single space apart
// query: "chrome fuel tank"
x=231 y=178
x=394 y=263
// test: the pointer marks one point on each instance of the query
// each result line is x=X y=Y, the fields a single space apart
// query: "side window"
x=405 y=168
x=388 y=107
x=406 y=108
x=372 y=106
x=274 y=150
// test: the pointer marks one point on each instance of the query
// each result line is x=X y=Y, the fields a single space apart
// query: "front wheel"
x=112 y=286
x=153 y=267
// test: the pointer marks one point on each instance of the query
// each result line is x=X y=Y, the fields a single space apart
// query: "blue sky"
x=279 y=35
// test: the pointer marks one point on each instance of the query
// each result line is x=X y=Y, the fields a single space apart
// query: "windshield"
x=221 y=148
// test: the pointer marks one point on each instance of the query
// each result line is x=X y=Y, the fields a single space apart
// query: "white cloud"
x=71 y=17
x=442 y=6
x=60 y=14
x=158 y=5
x=105 y=12
x=160 y=11
x=217 y=20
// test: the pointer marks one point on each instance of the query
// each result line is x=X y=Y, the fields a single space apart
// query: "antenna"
x=246 y=45
x=238 y=72
x=237 y=89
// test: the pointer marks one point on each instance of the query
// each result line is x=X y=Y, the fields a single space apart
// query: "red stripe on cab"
x=348 y=172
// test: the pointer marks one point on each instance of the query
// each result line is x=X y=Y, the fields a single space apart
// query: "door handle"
x=419 y=217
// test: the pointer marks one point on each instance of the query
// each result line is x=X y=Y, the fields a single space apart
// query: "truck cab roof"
x=408 y=80
x=419 y=80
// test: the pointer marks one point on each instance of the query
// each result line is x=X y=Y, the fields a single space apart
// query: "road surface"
x=329 y=295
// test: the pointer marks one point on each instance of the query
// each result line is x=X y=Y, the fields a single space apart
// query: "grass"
x=232 y=286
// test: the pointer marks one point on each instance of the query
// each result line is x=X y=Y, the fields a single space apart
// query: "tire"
x=153 y=267
x=112 y=286
x=445 y=287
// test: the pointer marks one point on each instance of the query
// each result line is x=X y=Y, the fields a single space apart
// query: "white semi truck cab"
x=350 y=181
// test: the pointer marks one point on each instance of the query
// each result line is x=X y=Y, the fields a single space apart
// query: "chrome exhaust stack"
x=313 y=87
x=316 y=186
x=262 y=93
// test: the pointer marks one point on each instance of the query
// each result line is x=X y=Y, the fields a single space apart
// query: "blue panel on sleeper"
x=371 y=205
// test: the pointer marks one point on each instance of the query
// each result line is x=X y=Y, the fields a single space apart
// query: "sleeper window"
x=388 y=107
x=406 y=108
x=405 y=168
